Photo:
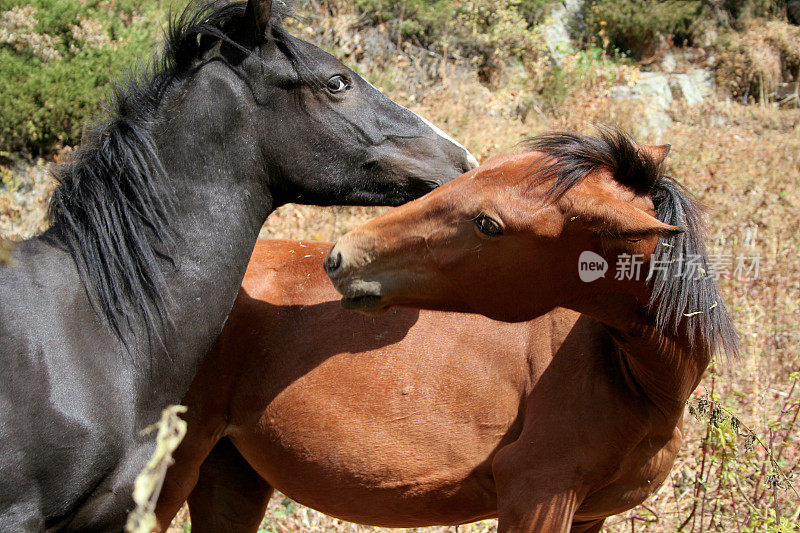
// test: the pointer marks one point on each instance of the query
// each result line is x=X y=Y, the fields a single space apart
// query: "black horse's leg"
x=229 y=496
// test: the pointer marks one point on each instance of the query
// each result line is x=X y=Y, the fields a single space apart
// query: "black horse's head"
x=336 y=139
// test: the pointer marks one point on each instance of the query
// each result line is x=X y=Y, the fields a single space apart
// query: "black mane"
x=677 y=301
x=113 y=207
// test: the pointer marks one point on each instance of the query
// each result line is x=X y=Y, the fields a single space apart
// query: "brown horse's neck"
x=665 y=366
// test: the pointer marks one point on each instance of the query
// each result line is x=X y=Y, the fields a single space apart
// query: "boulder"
x=654 y=86
x=656 y=91
x=556 y=29
x=694 y=86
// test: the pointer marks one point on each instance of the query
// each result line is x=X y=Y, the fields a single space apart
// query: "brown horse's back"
x=332 y=407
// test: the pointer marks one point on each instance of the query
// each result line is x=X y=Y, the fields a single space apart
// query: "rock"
x=668 y=61
x=694 y=86
x=656 y=91
x=653 y=93
x=654 y=86
x=556 y=28
x=661 y=89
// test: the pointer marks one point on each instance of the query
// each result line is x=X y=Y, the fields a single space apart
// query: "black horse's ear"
x=259 y=11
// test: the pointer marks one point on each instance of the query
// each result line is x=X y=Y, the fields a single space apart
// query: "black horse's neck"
x=222 y=199
x=160 y=215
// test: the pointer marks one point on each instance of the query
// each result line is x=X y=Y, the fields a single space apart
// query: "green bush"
x=58 y=60
x=741 y=11
x=421 y=20
x=486 y=32
x=635 y=26
x=534 y=11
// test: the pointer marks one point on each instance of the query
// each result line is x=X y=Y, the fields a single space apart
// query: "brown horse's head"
x=515 y=237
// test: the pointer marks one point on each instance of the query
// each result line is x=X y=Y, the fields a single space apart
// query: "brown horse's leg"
x=587 y=527
x=201 y=435
x=553 y=515
x=229 y=496
x=533 y=495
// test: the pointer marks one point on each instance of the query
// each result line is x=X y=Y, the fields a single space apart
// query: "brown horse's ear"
x=259 y=11
x=656 y=152
x=618 y=218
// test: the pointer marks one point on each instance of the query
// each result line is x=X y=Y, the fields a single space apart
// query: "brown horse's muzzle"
x=345 y=265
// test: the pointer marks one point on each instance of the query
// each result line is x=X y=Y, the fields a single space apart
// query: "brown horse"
x=523 y=235
x=426 y=417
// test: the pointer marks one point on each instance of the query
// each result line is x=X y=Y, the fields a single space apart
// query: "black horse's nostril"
x=333 y=261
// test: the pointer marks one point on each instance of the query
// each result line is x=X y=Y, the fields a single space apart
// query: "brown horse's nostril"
x=333 y=262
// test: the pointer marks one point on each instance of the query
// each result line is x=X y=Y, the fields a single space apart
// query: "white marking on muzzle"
x=471 y=159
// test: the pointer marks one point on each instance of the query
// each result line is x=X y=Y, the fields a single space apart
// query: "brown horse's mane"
x=679 y=302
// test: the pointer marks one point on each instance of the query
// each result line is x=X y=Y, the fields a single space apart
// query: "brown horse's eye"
x=488 y=226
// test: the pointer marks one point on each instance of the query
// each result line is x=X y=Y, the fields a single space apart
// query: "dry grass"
x=753 y=63
x=6 y=248
x=744 y=163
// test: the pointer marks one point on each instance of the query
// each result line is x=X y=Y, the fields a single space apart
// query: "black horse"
x=105 y=318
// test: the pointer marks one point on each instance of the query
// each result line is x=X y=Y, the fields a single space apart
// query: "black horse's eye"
x=488 y=226
x=337 y=84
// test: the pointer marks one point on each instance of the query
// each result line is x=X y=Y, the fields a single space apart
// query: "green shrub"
x=58 y=59
x=636 y=26
x=484 y=31
x=534 y=11
x=741 y=11
x=422 y=20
